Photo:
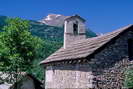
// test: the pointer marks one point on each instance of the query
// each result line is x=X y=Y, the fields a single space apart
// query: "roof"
x=37 y=83
x=85 y=48
x=75 y=16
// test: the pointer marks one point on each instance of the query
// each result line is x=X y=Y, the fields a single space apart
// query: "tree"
x=18 y=48
x=48 y=48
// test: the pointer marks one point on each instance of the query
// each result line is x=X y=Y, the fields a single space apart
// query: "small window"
x=75 y=29
x=130 y=49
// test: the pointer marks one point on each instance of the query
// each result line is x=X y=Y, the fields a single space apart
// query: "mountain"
x=46 y=32
x=2 y=21
x=54 y=20
x=52 y=33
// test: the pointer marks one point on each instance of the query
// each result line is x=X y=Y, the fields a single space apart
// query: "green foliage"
x=17 y=47
x=48 y=48
x=129 y=78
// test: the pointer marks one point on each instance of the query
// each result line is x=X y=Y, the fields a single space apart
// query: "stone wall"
x=111 y=63
x=104 y=71
x=69 y=76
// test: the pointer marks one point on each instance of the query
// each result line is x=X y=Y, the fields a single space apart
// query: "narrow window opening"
x=130 y=49
x=75 y=29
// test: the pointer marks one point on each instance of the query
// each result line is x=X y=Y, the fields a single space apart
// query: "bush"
x=129 y=78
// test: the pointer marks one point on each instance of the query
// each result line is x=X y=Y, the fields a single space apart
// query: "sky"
x=101 y=15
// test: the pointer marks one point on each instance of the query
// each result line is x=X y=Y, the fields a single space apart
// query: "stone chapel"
x=97 y=62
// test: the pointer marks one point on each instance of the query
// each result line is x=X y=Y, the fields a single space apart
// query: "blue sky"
x=102 y=15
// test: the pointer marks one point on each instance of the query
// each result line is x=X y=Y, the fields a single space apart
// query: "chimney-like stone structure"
x=74 y=30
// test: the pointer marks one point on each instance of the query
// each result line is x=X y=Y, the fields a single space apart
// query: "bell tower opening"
x=75 y=29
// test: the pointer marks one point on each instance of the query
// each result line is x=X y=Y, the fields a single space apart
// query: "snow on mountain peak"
x=54 y=20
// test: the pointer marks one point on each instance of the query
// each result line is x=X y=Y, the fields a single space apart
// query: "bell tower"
x=74 y=30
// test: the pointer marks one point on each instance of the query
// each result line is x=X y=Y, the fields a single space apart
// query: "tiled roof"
x=84 y=48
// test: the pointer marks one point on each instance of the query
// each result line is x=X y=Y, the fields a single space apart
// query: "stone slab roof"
x=85 y=48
